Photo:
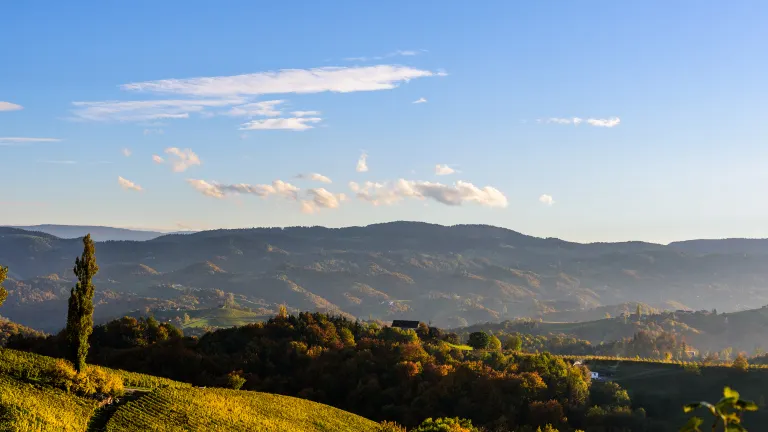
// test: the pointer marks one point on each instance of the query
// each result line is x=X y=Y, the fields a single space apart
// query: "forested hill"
x=450 y=275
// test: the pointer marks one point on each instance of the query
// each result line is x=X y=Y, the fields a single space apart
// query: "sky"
x=583 y=120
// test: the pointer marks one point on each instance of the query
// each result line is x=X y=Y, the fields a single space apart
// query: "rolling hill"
x=29 y=402
x=451 y=276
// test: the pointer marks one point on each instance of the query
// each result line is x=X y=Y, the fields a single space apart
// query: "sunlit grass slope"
x=212 y=409
x=27 y=407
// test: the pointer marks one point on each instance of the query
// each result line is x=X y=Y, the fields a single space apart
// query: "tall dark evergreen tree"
x=3 y=292
x=80 y=312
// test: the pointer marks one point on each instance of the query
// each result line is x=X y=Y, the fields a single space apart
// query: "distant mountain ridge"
x=723 y=246
x=451 y=275
x=98 y=233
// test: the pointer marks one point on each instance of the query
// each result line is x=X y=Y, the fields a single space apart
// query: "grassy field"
x=26 y=407
x=221 y=409
x=28 y=402
x=459 y=347
x=221 y=317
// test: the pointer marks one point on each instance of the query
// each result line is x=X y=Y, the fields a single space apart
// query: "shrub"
x=446 y=425
x=89 y=381
x=388 y=426
x=740 y=362
x=234 y=381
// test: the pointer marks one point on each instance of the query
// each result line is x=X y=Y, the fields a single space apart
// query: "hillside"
x=451 y=276
x=706 y=331
x=28 y=401
x=233 y=410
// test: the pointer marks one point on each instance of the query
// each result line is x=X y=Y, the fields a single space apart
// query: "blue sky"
x=588 y=121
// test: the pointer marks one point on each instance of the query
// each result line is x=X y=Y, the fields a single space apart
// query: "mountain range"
x=449 y=275
x=98 y=233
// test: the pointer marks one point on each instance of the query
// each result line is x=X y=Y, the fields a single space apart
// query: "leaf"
x=734 y=427
x=690 y=407
x=692 y=425
x=729 y=393
x=746 y=405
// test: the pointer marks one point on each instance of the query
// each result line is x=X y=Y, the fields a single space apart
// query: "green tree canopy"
x=479 y=340
x=514 y=343
x=494 y=344
x=80 y=310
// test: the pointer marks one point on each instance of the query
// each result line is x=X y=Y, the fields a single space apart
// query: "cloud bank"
x=131 y=111
x=217 y=190
x=452 y=195
x=316 y=80
x=294 y=123
x=609 y=122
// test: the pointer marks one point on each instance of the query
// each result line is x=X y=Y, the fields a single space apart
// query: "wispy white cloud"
x=315 y=177
x=157 y=159
x=306 y=113
x=405 y=53
x=420 y=101
x=26 y=140
x=129 y=111
x=443 y=170
x=128 y=185
x=294 y=123
x=546 y=199
x=362 y=163
x=218 y=190
x=317 y=80
x=320 y=199
x=126 y=152
x=453 y=195
x=180 y=160
x=263 y=108
x=609 y=122
x=59 y=162
x=7 y=106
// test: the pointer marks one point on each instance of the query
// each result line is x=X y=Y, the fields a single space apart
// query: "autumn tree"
x=494 y=344
x=80 y=311
x=514 y=343
x=3 y=292
x=741 y=362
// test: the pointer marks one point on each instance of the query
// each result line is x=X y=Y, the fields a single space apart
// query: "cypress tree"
x=3 y=292
x=80 y=312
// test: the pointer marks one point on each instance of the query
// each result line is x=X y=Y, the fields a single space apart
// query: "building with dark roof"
x=405 y=324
